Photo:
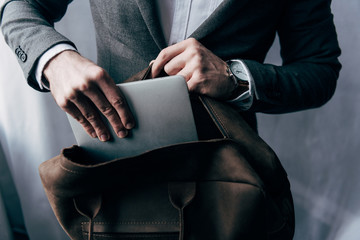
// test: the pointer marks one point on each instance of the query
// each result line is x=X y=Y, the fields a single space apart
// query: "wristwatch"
x=242 y=96
x=237 y=72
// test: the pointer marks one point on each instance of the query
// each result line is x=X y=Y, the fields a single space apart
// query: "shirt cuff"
x=245 y=100
x=45 y=58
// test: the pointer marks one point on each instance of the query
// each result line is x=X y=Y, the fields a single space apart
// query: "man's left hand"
x=204 y=72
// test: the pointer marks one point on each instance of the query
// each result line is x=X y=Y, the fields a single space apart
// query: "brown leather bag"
x=228 y=185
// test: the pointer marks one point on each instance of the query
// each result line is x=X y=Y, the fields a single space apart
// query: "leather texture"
x=229 y=185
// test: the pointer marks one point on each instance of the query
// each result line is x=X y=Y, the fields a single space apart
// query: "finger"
x=192 y=86
x=90 y=113
x=186 y=73
x=165 y=56
x=117 y=100
x=74 y=112
x=102 y=103
x=195 y=84
x=175 y=65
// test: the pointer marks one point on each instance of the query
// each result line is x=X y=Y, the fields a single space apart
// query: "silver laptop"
x=163 y=116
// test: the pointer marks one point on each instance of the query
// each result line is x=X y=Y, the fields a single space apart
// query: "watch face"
x=239 y=71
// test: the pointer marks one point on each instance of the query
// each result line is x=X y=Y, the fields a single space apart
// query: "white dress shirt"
x=178 y=19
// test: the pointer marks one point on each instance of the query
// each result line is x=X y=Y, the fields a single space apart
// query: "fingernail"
x=129 y=125
x=122 y=133
x=104 y=137
x=93 y=134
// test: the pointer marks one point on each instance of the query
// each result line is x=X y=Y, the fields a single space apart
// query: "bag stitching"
x=137 y=235
x=68 y=170
x=216 y=115
x=134 y=223
x=219 y=119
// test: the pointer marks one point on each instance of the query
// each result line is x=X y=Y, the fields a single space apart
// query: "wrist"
x=58 y=61
x=45 y=58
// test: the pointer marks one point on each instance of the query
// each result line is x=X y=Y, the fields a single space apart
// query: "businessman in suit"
x=220 y=52
x=218 y=46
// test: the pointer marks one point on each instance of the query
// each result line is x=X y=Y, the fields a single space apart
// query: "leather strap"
x=181 y=194
x=88 y=206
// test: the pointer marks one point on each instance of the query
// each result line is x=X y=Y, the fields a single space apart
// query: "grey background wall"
x=317 y=147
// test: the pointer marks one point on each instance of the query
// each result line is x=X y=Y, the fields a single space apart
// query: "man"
x=130 y=34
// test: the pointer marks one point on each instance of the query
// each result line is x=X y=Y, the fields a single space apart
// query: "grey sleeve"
x=28 y=29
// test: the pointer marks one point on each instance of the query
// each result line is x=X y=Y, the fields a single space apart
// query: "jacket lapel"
x=149 y=14
x=225 y=11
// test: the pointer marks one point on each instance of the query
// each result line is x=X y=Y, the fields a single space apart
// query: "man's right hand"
x=80 y=87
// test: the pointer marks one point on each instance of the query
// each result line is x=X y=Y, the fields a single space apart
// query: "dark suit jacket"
x=129 y=36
